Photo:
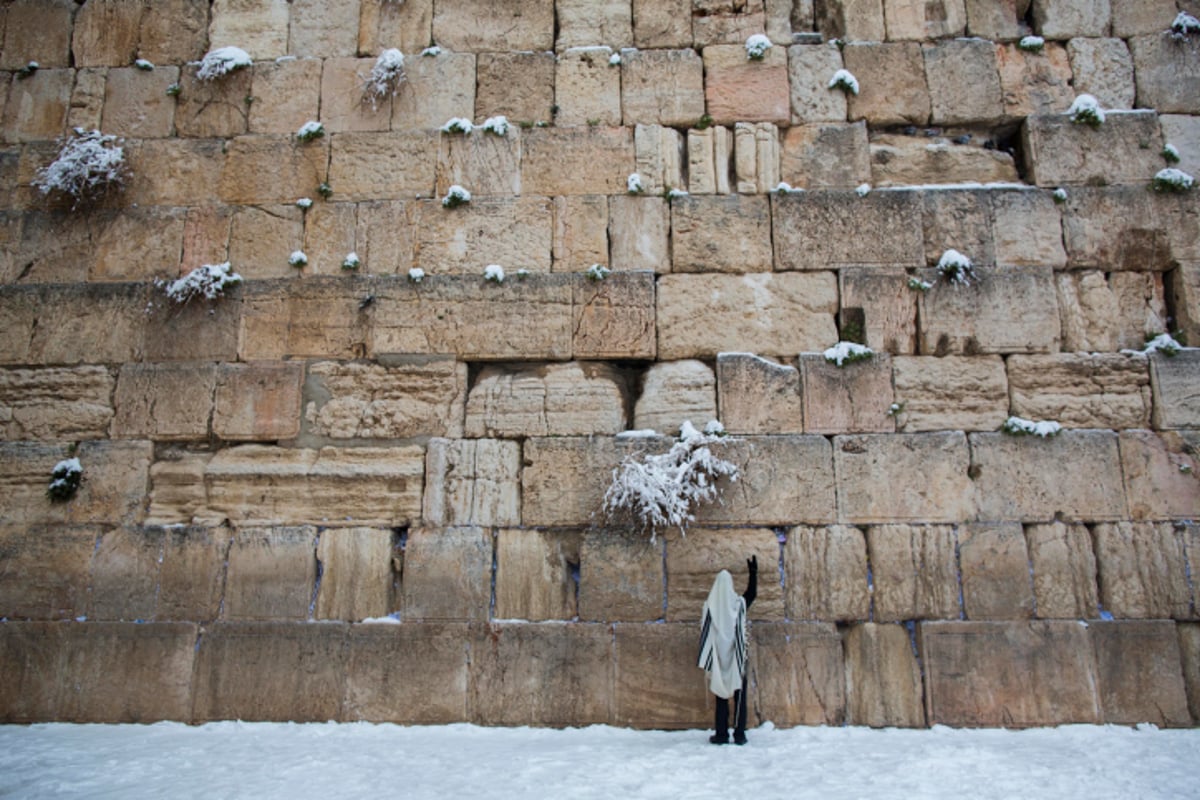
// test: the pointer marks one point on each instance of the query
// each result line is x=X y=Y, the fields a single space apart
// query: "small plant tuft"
x=896 y=409
x=1170 y=154
x=1086 y=110
x=304 y=203
x=918 y=285
x=757 y=47
x=64 y=480
x=956 y=268
x=844 y=353
x=455 y=197
x=704 y=122
x=433 y=51
x=1185 y=25
x=351 y=262
x=89 y=164
x=309 y=131
x=843 y=79
x=522 y=274
x=634 y=185
x=457 y=125
x=173 y=90
x=1173 y=181
x=493 y=273
x=497 y=126
x=416 y=275
x=1017 y=426
x=208 y=282
x=28 y=70
x=384 y=78
x=597 y=272
x=1032 y=44
x=144 y=65
x=614 y=60
x=298 y=259
x=325 y=190
x=1060 y=195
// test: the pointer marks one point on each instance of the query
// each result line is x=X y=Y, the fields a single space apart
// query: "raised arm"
x=752 y=582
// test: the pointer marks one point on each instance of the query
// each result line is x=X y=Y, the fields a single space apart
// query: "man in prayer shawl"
x=723 y=650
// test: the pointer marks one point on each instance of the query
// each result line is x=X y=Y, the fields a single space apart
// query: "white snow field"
x=283 y=760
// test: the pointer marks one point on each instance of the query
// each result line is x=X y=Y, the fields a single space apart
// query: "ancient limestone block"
x=1079 y=390
x=270 y=671
x=384 y=236
x=1139 y=673
x=639 y=230
x=903 y=478
x=950 y=392
x=810 y=68
x=257 y=401
x=589 y=160
x=1060 y=19
x=518 y=85
x=1034 y=83
x=1106 y=315
x=888 y=307
x=800 y=673
x=208 y=109
x=915 y=19
x=725 y=22
x=316 y=317
x=615 y=317
x=173 y=171
x=124 y=574
x=261 y=238
x=435 y=89
x=37 y=106
x=851 y=20
x=508 y=25
x=806 y=162
x=662 y=23
x=1189 y=646
x=472 y=482
x=587 y=88
x=136 y=102
x=995 y=19
x=756 y=157
x=55 y=403
x=1023 y=477
x=274 y=169
x=570 y=399
x=322 y=28
x=536 y=574
x=995 y=571
x=978 y=318
x=344 y=106
x=87 y=98
x=515 y=233
x=1063 y=569
x=620 y=577
x=580 y=232
x=135 y=246
x=330 y=486
x=1142 y=569
x=739 y=88
x=852 y=398
x=36 y=30
x=191 y=578
x=105 y=33
x=383 y=24
x=756 y=395
x=1015 y=674
x=164 y=401
x=582 y=23
x=1183 y=131
x=958 y=219
x=1166 y=71
x=1176 y=401
x=883 y=679
x=447 y=575
x=664 y=87
x=826 y=570
x=694 y=560
x=1103 y=68
x=412 y=673
x=708 y=156
x=356 y=573
x=1026 y=229
x=261 y=29
x=964 y=81
x=100 y=323
x=891 y=79
x=377 y=166
x=909 y=161
x=1125 y=149
x=1118 y=227
x=329 y=234
x=794 y=313
x=914 y=572
x=174 y=31
x=177 y=494
x=702 y=229
x=656 y=683
x=817 y=230
x=658 y=156
x=1161 y=474
x=272 y=573
x=785 y=15
x=45 y=569
x=112 y=490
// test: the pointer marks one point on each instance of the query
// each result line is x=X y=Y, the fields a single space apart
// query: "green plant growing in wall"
x=64 y=480
x=89 y=165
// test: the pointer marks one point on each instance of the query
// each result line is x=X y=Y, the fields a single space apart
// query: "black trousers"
x=722 y=713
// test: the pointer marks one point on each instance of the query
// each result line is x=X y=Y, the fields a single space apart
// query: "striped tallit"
x=723 y=637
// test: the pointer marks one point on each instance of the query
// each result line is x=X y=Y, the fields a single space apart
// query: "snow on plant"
x=456 y=196
x=1163 y=343
x=64 y=479
x=310 y=130
x=1170 y=153
x=28 y=69
x=918 y=285
x=433 y=51
x=1184 y=25
x=522 y=274
x=658 y=491
x=88 y=164
x=222 y=61
x=844 y=353
x=493 y=273
x=384 y=78
x=497 y=125
x=298 y=259
x=304 y=203
x=598 y=272
x=1018 y=426
x=673 y=194
x=757 y=47
x=208 y=281
x=351 y=262
x=896 y=409
x=1060 y=195
x=614 y=60
x=325 y=190
x=457 y=125
x=143 y=64
x=863 y=189
x=843 y=79
x=174 y=89
x=634 y=185
x=1031 y=44
x=1086 y=110
x=1173 y=180
x=956 y=267
x=786 y=188
x=416 y=274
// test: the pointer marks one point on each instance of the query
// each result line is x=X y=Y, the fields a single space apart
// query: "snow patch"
x=844 y=353
x=1086 y=110
x=208 y=281
x=88 y=164
x=843 y=79
x=222 y=61
x=757 y=47
x=385 y=77
x=1019 y=426
x=493 y=273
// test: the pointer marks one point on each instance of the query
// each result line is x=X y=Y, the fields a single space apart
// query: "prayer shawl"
x=723 y=637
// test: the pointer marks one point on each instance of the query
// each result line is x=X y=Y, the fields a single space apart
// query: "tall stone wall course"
x=1058 y=151
x=56 y=404
x=518 y=85
x=883 y=678
x=447 y=575
x=112 y=490
x=975 y=319
x=816 y=230
x=951 y=392
x=535 y=574
x=1166 y=72
x=914 y=570
x=1143 y=571
x=1081 y=391
x=1160 y=473
x=383 y=24
x=1064 y=570
x=587 y=87
x=903 y=478
x=37 y=31
x=412 y=673
x=46 y=570
x=738 y=88
x=996 y=581
x=1103 y=68
x=1034 y=83
x=1138 y=665
x=852 y=398
x=827 y=570
x=800 y=673
x=693 y=560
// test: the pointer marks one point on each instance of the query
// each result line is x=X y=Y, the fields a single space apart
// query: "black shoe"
x=739 y=737
x=718 y=739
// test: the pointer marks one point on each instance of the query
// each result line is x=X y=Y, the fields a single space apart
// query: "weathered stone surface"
x=615 y=317
x=1081 y=390
x=208 y=109
x=738 y=88
x=435 y=89
x=37 y=106
x=995 y=571
x=1034 y=83
x=1176 y=399
x=124 y=574
x=722 y=22
x=978 y=318
x=488 y=164
x=1063 y=569
x=963 y=79
x=257 y=401
x=1022 y=477
x=447 y=575
x=1125 y=149
x=262 y=237
x=87 y=98
x=1119 y=227
x=271 y=575
x=105 y=33
x=383 y=24
x=44 y=570
x=274 y=169
x=1103 y=68
x=517 y=85
x=136 y=245
x=888 y=307
x=1139 y=673
x=1189 y=646
x=793 y=312
x=674 y=392
x=1026 y=229
x=1162 y=474
x=826 y=570
x=472 y=482
x=573 y=399
x=508 y=25
x=329 y=231
x=112 y=490
x=356 y=573
x=31 y=655
x=891 y=79
x=756 y=157
x=344 y=104
x=377 y=166
x=810 y=68
x=851 y=20
x=175 y=172
x=174 y=31
x=261 y=29
x=709 y=152
x=177 y=493
x=1015 y=674
x=91 y=324
x=659 y=157
x=587 y=88
x=1184 y=285
x=621 y=577
x=908 y=161
x=1107 y=313
x=322 y=318
x=383 y=239
x=883 y=679
x=37 y=30
x=1142 y=569
x=800 y=673
x=702 y=229
x=853 y=398
x=995 y=19
x=655 y=682
x=756 y=395
x=1064 y=19
x=164 y=401
x=191 y=577
x=664 y=87
x=270 y=671
x=950 y=392
x=914 y=572
x=136 y=102
x=694 y=560
x=48 y=247
x=915 y=19
x=516 y=233
x=1183 y=131
x=662 y=23
x=55 y=403
x=536 y=573
x=582 y=23
x=562 y=161
x=258 y=484
x=410 y=673
x=903 y=478
x=806 y=162
x=1167 y=72
x=639 y=233
x=580 y=232
x=322 y=28
x=818 y=230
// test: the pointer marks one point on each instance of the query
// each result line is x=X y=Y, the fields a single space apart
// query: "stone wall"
x=336 y=494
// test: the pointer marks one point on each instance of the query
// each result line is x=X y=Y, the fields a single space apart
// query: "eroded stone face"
x=694 y=561
x=553 y=400
x=55 y=403
x=376 y=401
x=915 y=572
x=883 y=679
x=472 y=482
x=827 y=570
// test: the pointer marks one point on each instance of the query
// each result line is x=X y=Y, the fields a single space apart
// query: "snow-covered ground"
x=265 y=760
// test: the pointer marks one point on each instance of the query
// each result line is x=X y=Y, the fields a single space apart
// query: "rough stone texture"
x=1142 y=570
x=574 y=399
x=1064 y=571
x=582 y=23
x=1184 y=283
x=375 y=166
x=315 y=317
x=883 y=678
x=259 y=28
x=519 y=86
x=914 y=571
x=1103 y=68
x=564 y=161
x=891 y=79
x=513 y=232
x=44 y=570
x=435 y=89
x=960 y=220
x=675 y=392
x=1167 y=73
x=92 y=324
x=37 y=106
x=1135 y=17
x=174 y=31
x=1119 y=227
x=1162 y=474
x=271 y=574
x=356 y=573
x=694 y=560
x=662 y=23
x=756 y=157
x=995 y=571
x=1183 y=131
x=655 y=681
x=810 y=68
x=964 y=81
x=260 y=239
x=658 y=153
x=384 y=246
x=827 y=574
x=105 y=33
x=173 y=171
x=889 y=308
x=1010 y=674
x=703 y=227
x=1064 y=19
x=257 y=401
x=615 y=317
x=1059 y=152
x=708 y=158
x=717 y=22
x=639 y=233
x=534 y=574
x=1027 y=229
x=270 y=169
x=1022 y=477
x=853 y=398
x=411 y=673
x=756 y=395
x=191 y=578
x=800 y=673
x=917 y=19
x=851 y=20
x=821 y=230
x=621 y=577
x=177 y=492
x=383 y=24
x=587 y=88
x=664 y=87
x=447 y=575
x=580 y=232
x=806 y=162
x=1138 y=667
x=136 y=102
x=909 y=161
x=978 y=318
x=112 y=490
x=1176 y=399
x=344 y=105
x=1034 y=83
x=322 y=28
x=472 y=482
x=37 y=30
x=329 y=231
x=952 y=392
x=1189 y=646
x=508 y=25
x=213 y=108
x=903 y=478
x=124 y=574
x=738 y=88
x=1105 y=313
x=55 y=403
x=1080 y=390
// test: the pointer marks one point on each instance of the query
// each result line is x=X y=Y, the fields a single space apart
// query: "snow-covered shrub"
x=844 y=353
x=1185 y=25
x=351 y=262
x=614 y=60
x=64 y=479
x=298 y=259
x=1173 y=180
x=956 y=267
x=1086 y=110
x=783 y=187
x=433 y=51
x=208 y=281
x=757 y=47
x=1163 y=343
x=304 y=203
x=598 y=272
x=1170 y=153
x=1031 y=44
x=522 y=274
x=658 y=491
x=918 y=285
x=863 y=189
x=416 y=274
x=843 y=79
x=634 y=185
x=143 y=64
x=222 y=61
x=385 y=77
x=493 y=273
x=89 y=163
x=497 y=125
x=310 y=130
x=1060 y=195
x=1017 y=426
x=28 y=69
x=457 y=125
x=325 y=190
x=456 y=196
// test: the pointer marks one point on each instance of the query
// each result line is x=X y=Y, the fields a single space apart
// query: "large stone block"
x=915 y=19
x=621 y=577
x=377 y=166
x=329 y=234
x=693 y=561
x=1011 y=674
x=826 y=156
x=995 y=19
x=1176 y=402
x=888 y=307
x=883 y=678
x=45 y=570
x=1103 y=68
x=963 y=79
x=702 y=229
x=659 y=158
x=800 y=674
x=1162 y=474
x=1034 y=83
x=412 y=673
x=164 y=401
x=37 y=30
x=950 y=393
x=1189 y=646
x=756 y=395
x=587 y=87
x=1103 y=313
x=662 y=23
x=581 y=23
x=851 y=20
x=31 y=654
x=892 y=85
x=908 y=161
x=508 y=25
x=383 y=24
x=174 y=31
x=914 y=572
x=903 y=478
x=105 y=33
x=486 y=163
x=1139 y=673
x=827 y=574
x=1080 y=390
x=959 y=219
x=195 y=331
x=571 y=399
x=656 y=683
x=1063 y=568
x=136 y=245
x=447 y=575
x=207 y=109
x=537 y=574
x=723 y=22
x=709 y=160
x=1183 y=131
x=1120 y=227
x=739 y=88
x=344 y=105
x=1065 y=19
x=259 y=28
x=257 y=401
x=37 y=106
x=580 y=232
x=1026 y=229
x=136 y=103
x=664 y=87
x=515 y=233
x=810 y=68
x=996 y=583
x=322 y=28
x=1167 y=72
x=56 y=403
x=87 y=98
x=853 y=398
x=674 y=392
x=321 y=318
x=276 y=169
x=615 y=317
x=819 y=230
x=1023 y=477
x=191 y=577
x=756 y=157
x=177 y=494
x=125 y=574
x=271 y=575
x=1059 y=152
x=978 y=318
x=472 y=482
x=81 y=324
x=1136 y=17
x=1143 y=570
x=639 y=233
x=518 y=85
x=112 y=490
x=287 y=94
x=563 y=161
x=356 y=573
x=177 y=172
x=383 y=238
x=435 y=89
